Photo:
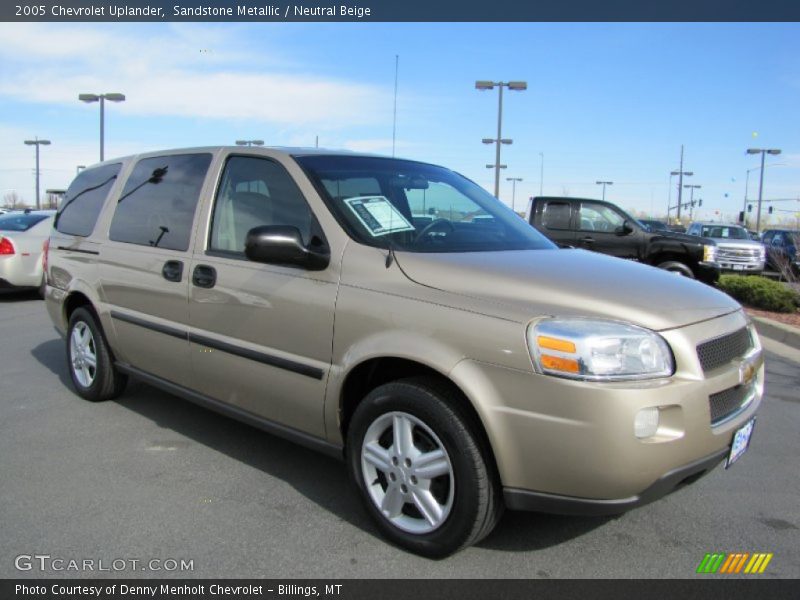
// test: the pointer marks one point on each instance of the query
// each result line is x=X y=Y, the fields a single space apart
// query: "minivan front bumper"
x=671 y=481
x=570 y=447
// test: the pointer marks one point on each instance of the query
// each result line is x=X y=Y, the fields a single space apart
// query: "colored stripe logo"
x=736 y=562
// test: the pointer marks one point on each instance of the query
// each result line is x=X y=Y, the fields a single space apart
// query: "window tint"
x=555 y=215
x=253 y=192
x=157 y=206
x=20 y=221
x=84 y=200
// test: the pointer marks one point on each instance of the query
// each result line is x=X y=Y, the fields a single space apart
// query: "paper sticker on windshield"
x=378 y=215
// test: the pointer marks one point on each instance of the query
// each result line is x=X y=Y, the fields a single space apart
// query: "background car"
x=736 y=252
x=783 y=249
x=22 y=238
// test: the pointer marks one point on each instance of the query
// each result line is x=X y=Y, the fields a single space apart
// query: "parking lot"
x=150 y=476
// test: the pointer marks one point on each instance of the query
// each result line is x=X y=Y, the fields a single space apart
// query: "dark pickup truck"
x=604 y=227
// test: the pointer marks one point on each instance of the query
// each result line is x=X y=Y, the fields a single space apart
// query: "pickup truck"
x=604 y=227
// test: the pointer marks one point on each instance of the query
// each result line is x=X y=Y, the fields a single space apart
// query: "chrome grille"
x=738 y=255
x=720 y=351
x=727 y=403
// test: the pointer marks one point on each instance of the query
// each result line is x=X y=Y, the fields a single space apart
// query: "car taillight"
x=6 y=247
x=45 y=250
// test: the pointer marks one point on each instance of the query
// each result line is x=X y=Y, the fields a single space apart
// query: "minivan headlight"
x=598 y=350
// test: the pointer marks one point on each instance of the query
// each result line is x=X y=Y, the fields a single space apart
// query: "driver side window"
x=255 y=191
x=596 y=217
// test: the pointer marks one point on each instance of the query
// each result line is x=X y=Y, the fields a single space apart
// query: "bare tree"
x=13 y=200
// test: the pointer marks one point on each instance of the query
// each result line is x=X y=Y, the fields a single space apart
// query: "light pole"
x=763 y=152
x=747 y=185
x=680 y=173
x=89 y=98
x=37 y=142
x=513 y=181
x=604 y=184
x=249 y=143
x=490 y=85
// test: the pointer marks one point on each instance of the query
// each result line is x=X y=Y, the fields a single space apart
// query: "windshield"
x=416 y=207
x=725 y=232
x=20 y=221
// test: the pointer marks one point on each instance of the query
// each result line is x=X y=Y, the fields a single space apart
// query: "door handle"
x=204 y=276
x=173 y=270
x=587 y=240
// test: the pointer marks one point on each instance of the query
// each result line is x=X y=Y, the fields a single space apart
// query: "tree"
x=13 y=200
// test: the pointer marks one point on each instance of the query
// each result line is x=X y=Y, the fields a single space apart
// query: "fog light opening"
x=645 y=424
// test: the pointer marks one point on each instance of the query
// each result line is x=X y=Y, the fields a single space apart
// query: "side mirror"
x=283 y=245
x=624 y=229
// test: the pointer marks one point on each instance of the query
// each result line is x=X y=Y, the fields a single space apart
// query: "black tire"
x=674 y=266
x=103 y=382
x=476 y=504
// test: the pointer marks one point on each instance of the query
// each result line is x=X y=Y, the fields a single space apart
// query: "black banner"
x=385 y=589
x=404 y=11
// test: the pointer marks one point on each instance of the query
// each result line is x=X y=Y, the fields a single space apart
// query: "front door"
x=260 y=334
x=599 y=228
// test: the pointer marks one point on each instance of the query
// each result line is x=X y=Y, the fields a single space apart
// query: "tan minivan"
x=394 y=313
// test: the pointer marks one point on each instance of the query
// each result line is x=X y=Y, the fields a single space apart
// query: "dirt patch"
x=786 y=318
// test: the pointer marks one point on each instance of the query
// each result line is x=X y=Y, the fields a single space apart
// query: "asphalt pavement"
x=150 y=476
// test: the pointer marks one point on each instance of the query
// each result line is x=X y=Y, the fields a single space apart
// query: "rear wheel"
x=678 y=268
x=420 y=468
x=89 y=359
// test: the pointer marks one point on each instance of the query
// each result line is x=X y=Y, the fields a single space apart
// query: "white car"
x=22 y=239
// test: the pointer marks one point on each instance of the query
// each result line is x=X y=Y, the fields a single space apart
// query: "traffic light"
x=741 y=216
x=700 y=202
x=769 y=210
x=749 y=208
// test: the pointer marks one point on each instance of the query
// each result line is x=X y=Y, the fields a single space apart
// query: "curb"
x=779 y=332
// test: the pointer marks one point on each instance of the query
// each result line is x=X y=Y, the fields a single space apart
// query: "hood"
x=685 y=237
x=570 y=283
x=731 y=243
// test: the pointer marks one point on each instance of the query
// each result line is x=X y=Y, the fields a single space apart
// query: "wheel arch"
x=375 y=371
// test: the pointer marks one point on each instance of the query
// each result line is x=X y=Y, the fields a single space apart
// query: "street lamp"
x=518 y=86
x=89 y=98
x=763 y=152
x=513 y=181
x=604 y=184
x=37 y=142
x=249 y=142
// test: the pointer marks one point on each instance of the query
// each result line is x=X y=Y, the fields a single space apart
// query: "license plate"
x=738 y=267
x=741 y=440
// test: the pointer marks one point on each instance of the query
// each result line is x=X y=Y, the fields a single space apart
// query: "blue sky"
x=604 y=101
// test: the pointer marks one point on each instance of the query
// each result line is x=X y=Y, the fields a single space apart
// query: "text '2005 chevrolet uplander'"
x=394 y=313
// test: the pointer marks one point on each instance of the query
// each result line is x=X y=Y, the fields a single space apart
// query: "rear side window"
x=555 y=215
x=20 y=221
x=157 y=206
x=84 y=200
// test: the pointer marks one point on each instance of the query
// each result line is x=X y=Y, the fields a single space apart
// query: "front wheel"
x=678 y=268
x=89 y=359
x=420 y=468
